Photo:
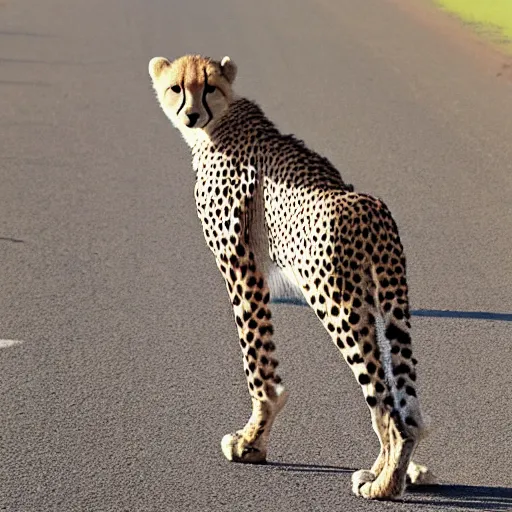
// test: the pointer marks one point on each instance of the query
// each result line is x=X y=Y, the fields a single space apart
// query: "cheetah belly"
x=283 y=288
x=281 y=281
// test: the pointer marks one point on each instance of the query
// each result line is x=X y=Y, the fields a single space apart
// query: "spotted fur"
x=267 y=203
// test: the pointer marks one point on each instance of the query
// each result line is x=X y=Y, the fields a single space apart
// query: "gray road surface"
x=129 y=373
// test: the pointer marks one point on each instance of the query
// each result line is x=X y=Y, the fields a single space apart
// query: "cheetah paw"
x=360 y=479
x=420 y=475
x=367 y=485
x=236 y=449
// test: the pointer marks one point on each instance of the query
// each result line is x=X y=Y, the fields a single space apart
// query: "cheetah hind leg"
x=249 y=445
x=283 y=289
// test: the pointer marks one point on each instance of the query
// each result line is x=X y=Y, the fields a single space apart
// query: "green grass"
x=492 y=18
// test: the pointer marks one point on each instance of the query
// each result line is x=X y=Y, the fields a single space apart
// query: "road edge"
x=488 y=55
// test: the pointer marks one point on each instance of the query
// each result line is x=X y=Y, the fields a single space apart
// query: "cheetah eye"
x=176 y=89
x=210 y=88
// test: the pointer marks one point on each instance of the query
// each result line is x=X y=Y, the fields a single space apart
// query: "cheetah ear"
x=229 y=69
x=156 y=66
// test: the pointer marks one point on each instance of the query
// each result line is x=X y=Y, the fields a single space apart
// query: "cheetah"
x=276 y=214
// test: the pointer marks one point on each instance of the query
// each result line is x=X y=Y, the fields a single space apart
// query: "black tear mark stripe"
x=184 y=98
x=205 y=105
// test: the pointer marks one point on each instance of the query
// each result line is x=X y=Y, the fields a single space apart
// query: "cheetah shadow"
x=465 y=497
x=470 y=315
x=444 y=496
x=12 y=240
x=426 y=313
x=308 y=468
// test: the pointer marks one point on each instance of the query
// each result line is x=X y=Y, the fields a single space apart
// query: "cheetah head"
x=193 y=91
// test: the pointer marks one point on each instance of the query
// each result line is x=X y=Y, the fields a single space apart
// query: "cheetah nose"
x=192 y=119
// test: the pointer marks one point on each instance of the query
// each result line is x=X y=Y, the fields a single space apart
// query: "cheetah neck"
x=231 y=134
x=195 y=137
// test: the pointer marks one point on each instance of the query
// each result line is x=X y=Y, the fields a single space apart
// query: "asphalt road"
x=129 y=372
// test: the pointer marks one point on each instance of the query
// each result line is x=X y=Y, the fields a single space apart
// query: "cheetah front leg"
x=249 y=295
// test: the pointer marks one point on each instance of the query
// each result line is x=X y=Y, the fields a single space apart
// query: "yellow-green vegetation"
x=492 y=18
